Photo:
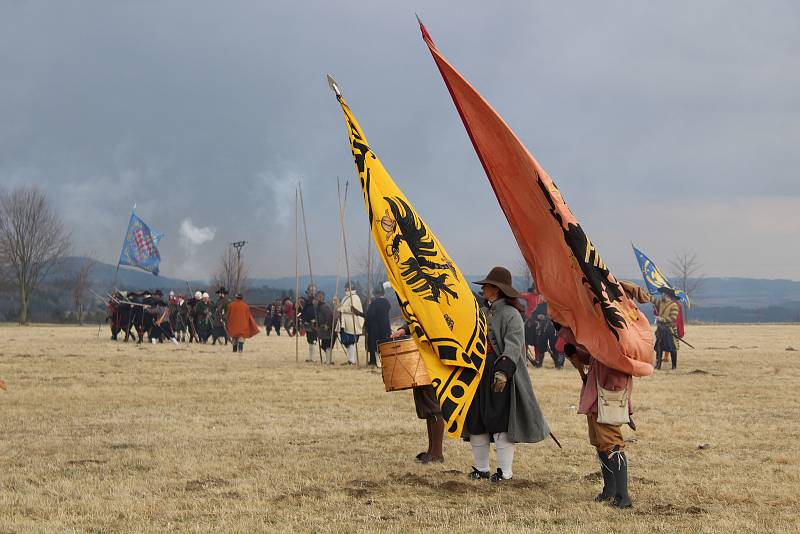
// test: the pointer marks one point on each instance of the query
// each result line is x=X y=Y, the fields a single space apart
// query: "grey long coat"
x=526 y=423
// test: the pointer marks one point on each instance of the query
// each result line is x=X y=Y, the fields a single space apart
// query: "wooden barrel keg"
x=403 y=367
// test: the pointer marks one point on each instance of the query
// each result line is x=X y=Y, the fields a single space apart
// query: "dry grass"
x=98 y=436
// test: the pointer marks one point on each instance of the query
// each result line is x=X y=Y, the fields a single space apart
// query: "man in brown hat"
x=504 y=408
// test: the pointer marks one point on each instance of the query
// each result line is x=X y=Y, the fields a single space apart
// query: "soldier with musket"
x=113 y=315
x=219 y=324
x=202 y=318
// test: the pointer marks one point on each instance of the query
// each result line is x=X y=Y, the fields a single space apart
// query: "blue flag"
x=140 y=247
x=655 y=279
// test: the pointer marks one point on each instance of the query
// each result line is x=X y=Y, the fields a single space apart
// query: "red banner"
x=581 y=292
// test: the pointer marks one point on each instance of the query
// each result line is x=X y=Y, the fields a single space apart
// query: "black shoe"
x=609 y=486
x=235 y=347
x=498 y=476
x=619 y=466
x=478 y=475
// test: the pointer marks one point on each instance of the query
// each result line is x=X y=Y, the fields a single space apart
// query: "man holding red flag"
x=581 y=292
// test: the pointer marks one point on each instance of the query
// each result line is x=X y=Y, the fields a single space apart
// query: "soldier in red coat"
x=241 y=324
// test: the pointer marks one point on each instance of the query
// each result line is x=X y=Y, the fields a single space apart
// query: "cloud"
x=193 y=236
x=696 y=121
x=282 y=187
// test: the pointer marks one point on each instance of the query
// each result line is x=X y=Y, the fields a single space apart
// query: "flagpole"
x=369 y=286
x=296 y=280
x=116 y=273
x=346 y=260
x=308 y=253
x=338 y=267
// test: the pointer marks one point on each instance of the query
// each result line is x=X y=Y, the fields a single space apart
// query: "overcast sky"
x=673 y=125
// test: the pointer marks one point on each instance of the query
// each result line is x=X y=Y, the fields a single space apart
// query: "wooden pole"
x=369 y=286
x=296 y=277
x=308 y=253
x=346 y=259
x=338 y=266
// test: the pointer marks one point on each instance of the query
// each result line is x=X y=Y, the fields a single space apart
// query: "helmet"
x=198 y=295
x=205 y=295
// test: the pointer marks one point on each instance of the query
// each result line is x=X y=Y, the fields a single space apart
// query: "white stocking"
x=311 y=347
x=505 y=454
x=480 y=451
x=351 y=353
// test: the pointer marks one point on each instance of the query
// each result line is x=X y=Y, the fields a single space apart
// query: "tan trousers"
x=604 y=437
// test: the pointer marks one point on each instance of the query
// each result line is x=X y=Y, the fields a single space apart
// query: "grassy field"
x=97 y=436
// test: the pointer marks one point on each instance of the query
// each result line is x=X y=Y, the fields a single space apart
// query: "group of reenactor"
x=541 y=334
x=196 y=319
x=280 y=314
x=344 y=321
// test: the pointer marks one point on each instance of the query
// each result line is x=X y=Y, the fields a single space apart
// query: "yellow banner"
x=438 y=303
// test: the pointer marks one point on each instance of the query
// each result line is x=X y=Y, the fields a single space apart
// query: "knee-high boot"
x=659 y=355
x=619 y=465
x=674 y=357
x=609 y=487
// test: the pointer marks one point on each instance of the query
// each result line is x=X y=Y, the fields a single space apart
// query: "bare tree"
x=32 y=241
x=225 y=275
x=687 y=274
x=80 y=281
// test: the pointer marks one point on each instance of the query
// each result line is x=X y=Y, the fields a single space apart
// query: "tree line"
x=35 y=245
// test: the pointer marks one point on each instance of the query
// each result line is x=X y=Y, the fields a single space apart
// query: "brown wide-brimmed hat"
x=500 y=277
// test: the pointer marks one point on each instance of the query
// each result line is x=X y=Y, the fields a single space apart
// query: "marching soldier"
x=220 y=316
x=308 y=316
x=666 y=311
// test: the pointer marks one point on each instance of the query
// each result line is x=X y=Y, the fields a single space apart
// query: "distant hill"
x=721 y=299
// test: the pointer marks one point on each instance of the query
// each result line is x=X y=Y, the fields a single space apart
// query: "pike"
x=115 y=299
x=310 y=270
x=130 y=303
x=342 y=203
x=295 y=319
x=676 y=336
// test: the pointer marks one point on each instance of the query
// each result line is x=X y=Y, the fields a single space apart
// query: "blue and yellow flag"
x=443 y=315
x=654 y=279
x=140 y=248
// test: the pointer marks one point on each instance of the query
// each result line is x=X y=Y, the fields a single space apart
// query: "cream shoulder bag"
x=612 y=406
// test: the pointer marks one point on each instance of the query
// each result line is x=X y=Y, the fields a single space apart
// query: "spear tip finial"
x=333 y=84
